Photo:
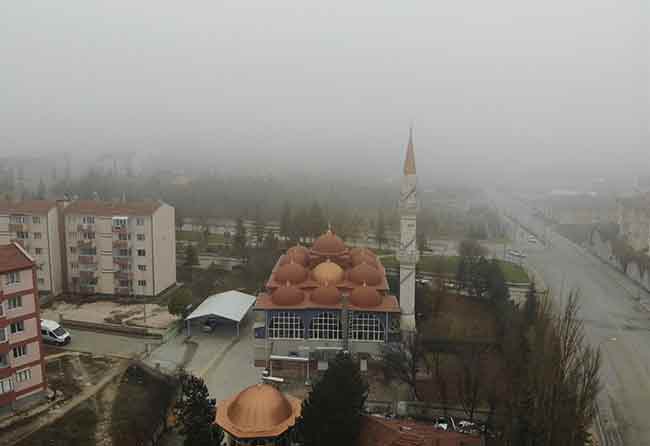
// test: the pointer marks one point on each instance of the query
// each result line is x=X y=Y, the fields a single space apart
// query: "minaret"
x=408 y=254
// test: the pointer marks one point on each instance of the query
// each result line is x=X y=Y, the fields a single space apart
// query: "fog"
x=502 y=89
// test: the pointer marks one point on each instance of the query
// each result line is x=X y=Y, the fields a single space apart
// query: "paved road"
x=615 y=321
x=105 y=344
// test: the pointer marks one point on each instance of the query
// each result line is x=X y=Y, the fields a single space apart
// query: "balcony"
x=123 y=275
x=86 y=275
x=81 y=244
x=120 y=229
x=120 y=244
x=17 y=227
x=85 y=227
x=85 y=259
x=122 y=290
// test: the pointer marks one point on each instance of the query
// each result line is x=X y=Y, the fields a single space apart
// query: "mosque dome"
x=365 y=273
x=328 y=272
x=299 y=254
x=364 y=257
x=326 y=295
x=365 y=297
x=329 y=244
x=291 y=272
x=287 y=295
x=258 y=411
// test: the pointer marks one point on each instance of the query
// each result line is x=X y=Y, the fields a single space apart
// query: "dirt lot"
x=111 y=312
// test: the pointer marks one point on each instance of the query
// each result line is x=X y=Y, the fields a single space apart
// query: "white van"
x=54 y=333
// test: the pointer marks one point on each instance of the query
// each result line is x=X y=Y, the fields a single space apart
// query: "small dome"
x=365 y=273
x=299 y=254
x=364 y=257
x=291 y=272
x=328 y=272
x=287 y=295
x=365 y=297
x=326 y=295
x=260 y=407
x=329 y=244
x=357 y=251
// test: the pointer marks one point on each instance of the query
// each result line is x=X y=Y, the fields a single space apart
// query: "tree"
x=471 y=248
x=470 y=380
x=259 y=227
x=285 y=221
x=196 y=414
x=317 y=224
x=42 y=191
x=400 y=362
x=332 y=412
x=380 y=234
x=239 y=242
x=191 y=256
x=180 y=301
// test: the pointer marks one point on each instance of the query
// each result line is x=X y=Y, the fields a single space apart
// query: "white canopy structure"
x=232 y=305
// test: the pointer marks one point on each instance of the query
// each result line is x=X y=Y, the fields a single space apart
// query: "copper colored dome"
x=291 y=272
x=326 y=295
x=299 y=254
x=258 y=411
x=357 y=251
x=287 y=295
x=328 y=273
x=365 y=273
x=364 y=257
x=329 y=244
x=365 y=297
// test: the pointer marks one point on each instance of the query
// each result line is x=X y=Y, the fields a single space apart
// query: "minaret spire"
x=409 y=161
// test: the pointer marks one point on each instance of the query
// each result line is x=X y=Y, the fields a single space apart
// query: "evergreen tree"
x=196 y=414
x=380 y=233
x=41 y=192
x=191 y=256
x=317 y=223
x=531 y=304
x=285 y=220
x=332 y=412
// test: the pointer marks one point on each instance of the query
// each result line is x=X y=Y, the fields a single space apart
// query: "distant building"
x=634 y=221
x=22 y=374
x=581 y=209
x=122 y=248
x=35 y=225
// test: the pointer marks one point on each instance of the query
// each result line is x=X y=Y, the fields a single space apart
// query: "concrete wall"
x=164 y=248
x=55 y=256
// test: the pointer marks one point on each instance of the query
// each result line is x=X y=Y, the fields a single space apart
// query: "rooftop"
x=27 y=206
x=111 y=208
x=14 y=258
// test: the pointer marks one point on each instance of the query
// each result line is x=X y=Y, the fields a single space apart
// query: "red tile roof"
x=109 y=208
x=27 y=206
x=376 y=431
x=13 y=258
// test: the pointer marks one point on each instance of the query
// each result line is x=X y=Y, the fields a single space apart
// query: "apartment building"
x=35 y=225
x=634 y=221
x=22 y=377
x=122 y=248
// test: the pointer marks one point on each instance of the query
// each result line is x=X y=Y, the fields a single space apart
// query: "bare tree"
x=400 y=362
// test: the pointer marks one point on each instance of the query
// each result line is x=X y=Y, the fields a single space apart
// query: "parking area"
x=103 y=344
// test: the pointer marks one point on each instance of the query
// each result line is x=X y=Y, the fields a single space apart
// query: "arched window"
x=366 y=327
x=325 y=326
x=286 y=325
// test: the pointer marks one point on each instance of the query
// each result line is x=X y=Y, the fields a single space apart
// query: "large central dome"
x=328 y=273
x=329 y=245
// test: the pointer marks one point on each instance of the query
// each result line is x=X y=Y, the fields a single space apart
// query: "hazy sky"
x=550 y=84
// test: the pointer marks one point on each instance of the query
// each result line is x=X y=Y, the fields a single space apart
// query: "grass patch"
x=513 y=272
x=190 y=236
x=75 y=428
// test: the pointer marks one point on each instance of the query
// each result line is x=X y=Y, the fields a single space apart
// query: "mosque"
x=330 y=297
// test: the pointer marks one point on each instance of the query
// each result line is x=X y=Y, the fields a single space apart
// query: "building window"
x=88 y=251
x=142 y=252
x=142 y=283
x=120 y=222
x=38 y=251
x=12 y=278
x=3 y=335
x=123 y=237
x=140 y=237
x=19 y=351
x=89 y=235
x=17 y=327
x=72 y=235
x=139 y=221
x=37 y=236
x=6 y=385
x=88 y=220
x=325 y=326
x=73 y=250
x=15 y=302
x=17 y=219
x=142 y=267
x=74 y=266
x=24 y=375
x=41 y=281
x=286 y=325
x=36 y=220
x=366 y=327
x=124 y=252
x=125 y=283
x=22 y=235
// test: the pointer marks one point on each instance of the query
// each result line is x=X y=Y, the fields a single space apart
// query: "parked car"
x=467 y=427
x=532 y=239
x=210 y=324
x=515 y=253
x=53 y=333
x=444 y=424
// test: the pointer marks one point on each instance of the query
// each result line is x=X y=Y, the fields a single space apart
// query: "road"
x=614 y=321
x=104 y=343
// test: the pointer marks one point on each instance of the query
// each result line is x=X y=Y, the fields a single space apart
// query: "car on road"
x=532 y=239
x=53 y=333
x=515 y=253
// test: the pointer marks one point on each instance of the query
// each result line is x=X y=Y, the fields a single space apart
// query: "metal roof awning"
x=232 y=305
